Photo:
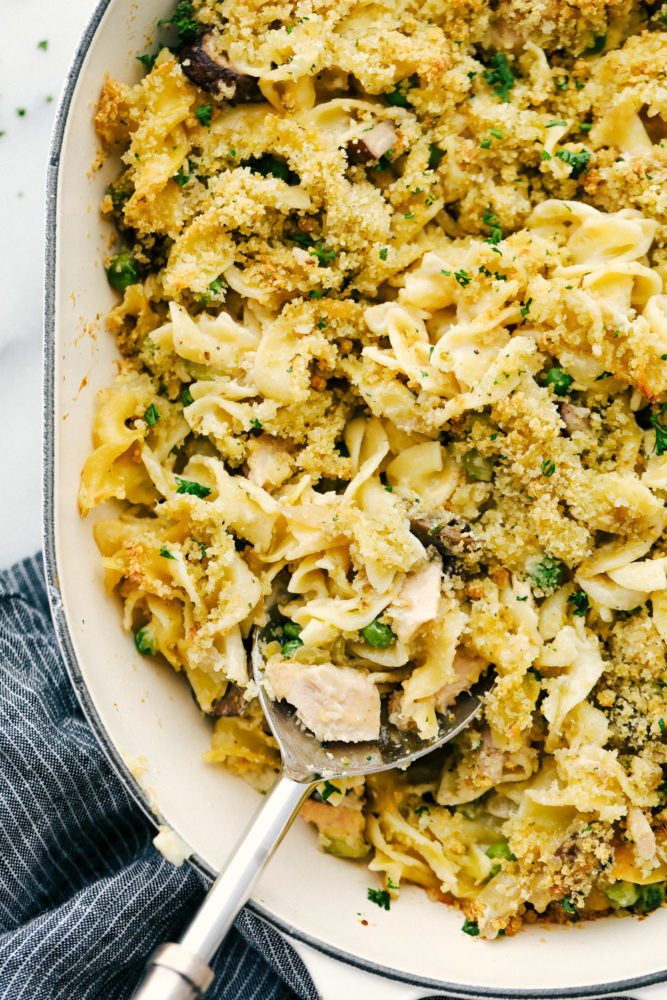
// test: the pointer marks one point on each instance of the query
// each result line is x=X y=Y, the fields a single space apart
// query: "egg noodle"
x=394 y=335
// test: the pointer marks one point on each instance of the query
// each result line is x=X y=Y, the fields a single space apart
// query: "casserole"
x=137 y=711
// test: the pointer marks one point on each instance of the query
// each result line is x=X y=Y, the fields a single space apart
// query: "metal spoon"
x=181 y=971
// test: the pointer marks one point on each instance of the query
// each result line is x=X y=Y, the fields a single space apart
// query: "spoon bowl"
x=181 y=971
x=306 y=759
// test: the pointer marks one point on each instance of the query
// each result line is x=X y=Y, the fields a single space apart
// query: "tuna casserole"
x=394 y=332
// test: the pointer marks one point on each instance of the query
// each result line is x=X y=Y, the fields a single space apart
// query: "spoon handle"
x=180 y=971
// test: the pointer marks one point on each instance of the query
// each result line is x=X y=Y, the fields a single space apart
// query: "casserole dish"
x=143 y=715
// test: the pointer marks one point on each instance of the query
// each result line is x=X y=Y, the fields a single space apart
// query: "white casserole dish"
x=142 y=711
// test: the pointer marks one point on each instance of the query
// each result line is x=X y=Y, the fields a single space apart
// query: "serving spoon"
x=181 y=971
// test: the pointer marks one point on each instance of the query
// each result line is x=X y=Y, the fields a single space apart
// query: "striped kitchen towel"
x=84 y=896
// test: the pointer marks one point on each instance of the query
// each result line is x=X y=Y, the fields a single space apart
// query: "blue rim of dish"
x=65 y=639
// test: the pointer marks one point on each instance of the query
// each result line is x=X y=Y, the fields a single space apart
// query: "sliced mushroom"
x=232 y=703
x=373 y=144
x=448 y=534
x=212 y=72
x=575 y=418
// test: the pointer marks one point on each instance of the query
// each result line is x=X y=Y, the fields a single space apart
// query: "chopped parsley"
x=152 y=415
x=203 y=113
x=217 y=286
x=315 y=294
x=603 y=375
x=398 y=97
x=321 y=323
x=548 y=574
x=43 y=45
x=181 y=177
x=579 y=602
x=182 y=21
x=255 y=424
x=562 y=83
x=577 y=161
x=496 y=133
x=186 y=397
x=203 y=551
x=194 y=489
x=327 y=791
x=501 y=77
x=435 y=156
x=545 y=155
x=420 y=810
x=462 y=277
x=559 y=380
x=661 y=725
x=525 y=307
x=380 y=897
x=267 y=164
x=556 y=121
x=568 y=905
x=660 y=446
x=165 y=553
x=383 y=253
x=490 y=219
x=548 y=467
x=470 y=927
x=324 y=257
x=148 y=60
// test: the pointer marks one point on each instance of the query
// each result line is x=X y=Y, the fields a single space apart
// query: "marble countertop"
x=36 y=56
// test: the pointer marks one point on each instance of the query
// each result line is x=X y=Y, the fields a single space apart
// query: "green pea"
x=650 y=897
x=478 y=468
x=122 y=271
x=291 y=647
x=292 y=630
x=559 y=380
x=622 y=893
x=378 y=634
x=144 y=640
x=501 y=849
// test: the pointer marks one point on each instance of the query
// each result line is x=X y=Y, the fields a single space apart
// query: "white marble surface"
x=31 y=79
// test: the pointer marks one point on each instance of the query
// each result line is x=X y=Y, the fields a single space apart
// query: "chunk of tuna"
x=335 y=703
x=467 y=669
x=417 y=601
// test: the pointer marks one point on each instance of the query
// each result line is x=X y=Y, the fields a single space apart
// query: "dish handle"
x=334 y=979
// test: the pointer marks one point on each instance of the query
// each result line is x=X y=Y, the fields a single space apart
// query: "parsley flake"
x=462 y=277
x=548 y=467
x=501 y=77
x=578 y=161
x=194 y=489
x=165 y=553
x=152 y=415
x=327 y=791
x=203 y=113
x=380 y=897
x=181 y=20
x=383 y=253
x=660 y=446
x=579 y=602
